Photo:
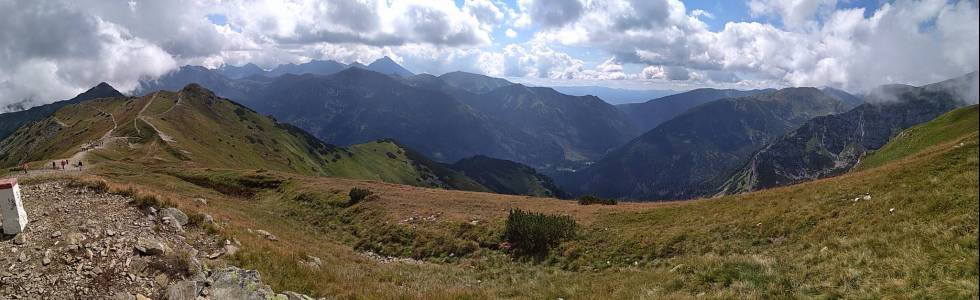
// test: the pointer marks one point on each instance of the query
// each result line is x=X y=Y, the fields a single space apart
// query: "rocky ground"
x=82 y=244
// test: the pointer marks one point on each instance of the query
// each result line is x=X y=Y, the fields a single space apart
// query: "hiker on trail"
x=54 y=166
x=63 y=165
x=79 y=165
x=25 y=168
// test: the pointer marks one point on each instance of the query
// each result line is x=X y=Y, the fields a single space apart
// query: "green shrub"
x=357 y=194
x=590 y=199
x=531 y=233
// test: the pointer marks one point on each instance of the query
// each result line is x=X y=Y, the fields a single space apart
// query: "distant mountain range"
x=691 y=154
x=649 y=114
x=831 y=145
x=613 y=95
x=384 y=65
x=449 y=117
x=192 y=127
x=474 y=132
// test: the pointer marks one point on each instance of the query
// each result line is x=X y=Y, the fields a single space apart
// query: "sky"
x=55 y=49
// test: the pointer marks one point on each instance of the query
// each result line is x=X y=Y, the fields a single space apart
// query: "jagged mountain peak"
x=101 y=90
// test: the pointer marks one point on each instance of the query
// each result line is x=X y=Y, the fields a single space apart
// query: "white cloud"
x=795 y=14
x=912 y=42
x=485 y=11
x=701 y=13
x=51 y=51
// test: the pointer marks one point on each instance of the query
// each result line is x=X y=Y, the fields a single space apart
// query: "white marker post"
x=14 y=216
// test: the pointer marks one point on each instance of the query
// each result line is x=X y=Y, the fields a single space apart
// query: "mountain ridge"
x=834 y=144
x=687 y=156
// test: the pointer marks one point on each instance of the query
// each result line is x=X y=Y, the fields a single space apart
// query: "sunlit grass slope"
x=949 y=127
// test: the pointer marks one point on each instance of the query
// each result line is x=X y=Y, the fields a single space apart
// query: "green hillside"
x=196 y=129
x=950 y=127
x=911 y=233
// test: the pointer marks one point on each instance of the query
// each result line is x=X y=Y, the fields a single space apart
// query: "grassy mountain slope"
x=830 y=145
x=648 y=115
x=446 y=118
x=691 y=155
x=915 y=238
x=583 y=127
x=507 y=177
x=10 y=122
x=195 y=128
x=357 y=106
x=473 y=83
x=949 y=127
x=67 y=131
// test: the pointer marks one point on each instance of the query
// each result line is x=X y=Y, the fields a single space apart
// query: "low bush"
x=590 y=199
x=534 y=234
x=357 y=194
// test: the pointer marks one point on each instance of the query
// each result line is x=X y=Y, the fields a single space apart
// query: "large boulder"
x=174 y=214
x=148 y=245
x=235 y=283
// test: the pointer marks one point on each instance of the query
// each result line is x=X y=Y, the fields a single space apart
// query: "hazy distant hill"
x=584 y=127
x=447 y=118
x=387 y=66
x=831 y=145
x=648 y=115
x=692 y=154
x=507 y=177
x=473 y=83
x=613 y=95
x=384 y=65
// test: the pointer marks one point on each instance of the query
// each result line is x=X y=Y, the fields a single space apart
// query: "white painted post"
x=14 y=216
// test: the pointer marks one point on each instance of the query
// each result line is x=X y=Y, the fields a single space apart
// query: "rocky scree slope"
x=83 y=243
x=831 y=145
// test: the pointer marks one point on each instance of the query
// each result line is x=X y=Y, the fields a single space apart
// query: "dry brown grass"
x=402 y=201
x=710 y=247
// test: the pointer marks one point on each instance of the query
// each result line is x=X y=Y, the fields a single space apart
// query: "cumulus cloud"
x=914 y=42
x=371 y=22
x=551 y=13
x=795 y=14
x=54 y=49
x=484 y=11
x=51 y=50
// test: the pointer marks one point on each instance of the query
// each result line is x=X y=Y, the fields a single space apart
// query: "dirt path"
x=141 y=117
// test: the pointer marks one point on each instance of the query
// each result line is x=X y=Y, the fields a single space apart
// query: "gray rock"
x=123 y=296
x=148 y=245
x=200 y=201
x=47 y=257
x=184 y=290
x=20 y=239
x=267 y=235
x=174 y=214
x=296 y=296
x=235 y=283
